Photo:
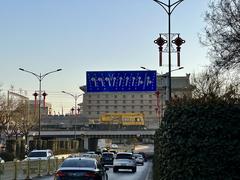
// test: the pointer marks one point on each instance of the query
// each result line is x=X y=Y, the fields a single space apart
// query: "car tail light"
x=59 y=174
x=90 y=174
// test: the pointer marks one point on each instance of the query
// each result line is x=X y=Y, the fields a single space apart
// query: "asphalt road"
x=143 y=173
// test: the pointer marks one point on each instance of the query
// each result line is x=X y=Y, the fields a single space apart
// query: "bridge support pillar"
x=85 y=143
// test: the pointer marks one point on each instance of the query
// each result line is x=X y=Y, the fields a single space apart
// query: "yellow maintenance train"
x=118 y=120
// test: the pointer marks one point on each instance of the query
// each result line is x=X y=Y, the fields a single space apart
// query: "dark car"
x=107 y=158
x=81 y=168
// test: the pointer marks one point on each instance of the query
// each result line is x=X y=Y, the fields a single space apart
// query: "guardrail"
x=16 y=170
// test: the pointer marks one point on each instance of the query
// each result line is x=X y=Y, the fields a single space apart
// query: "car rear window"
x=107 y=155
x=37 y=154
x=124 y=156
x=78 y=163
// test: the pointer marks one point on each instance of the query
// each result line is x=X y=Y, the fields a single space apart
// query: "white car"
x=40 y=155
x=124 y=160
x=139 y=158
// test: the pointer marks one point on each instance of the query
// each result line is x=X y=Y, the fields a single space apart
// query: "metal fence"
x=27 y=169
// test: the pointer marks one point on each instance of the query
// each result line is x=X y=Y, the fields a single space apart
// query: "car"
x=144 y=155
x=139 y=158
x=81 y=168
x=124 y=160
x=114 y=146
x=44 y=154
x=107 y=158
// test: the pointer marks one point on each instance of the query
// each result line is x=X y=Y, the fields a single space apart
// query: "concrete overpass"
x=89 y=137
x=94 y=134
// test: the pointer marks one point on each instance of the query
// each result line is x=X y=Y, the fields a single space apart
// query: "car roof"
x=41 y=150
x=124 y=153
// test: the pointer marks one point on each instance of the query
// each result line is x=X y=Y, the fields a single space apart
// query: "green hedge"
x=198 y=139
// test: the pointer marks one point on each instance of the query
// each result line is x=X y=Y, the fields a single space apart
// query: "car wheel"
x=115 y=169
x=134 y=169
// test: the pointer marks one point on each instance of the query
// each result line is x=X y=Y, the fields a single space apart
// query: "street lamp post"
x=169 y=8
x=75 y=112
x=40 y=77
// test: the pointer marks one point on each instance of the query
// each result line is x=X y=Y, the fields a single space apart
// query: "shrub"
x=198 y=139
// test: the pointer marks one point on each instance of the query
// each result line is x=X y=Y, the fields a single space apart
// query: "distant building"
x=149 y=103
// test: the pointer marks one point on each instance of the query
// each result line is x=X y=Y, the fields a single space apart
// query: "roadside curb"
x=149 y=173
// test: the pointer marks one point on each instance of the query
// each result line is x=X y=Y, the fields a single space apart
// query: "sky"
x=83 y=35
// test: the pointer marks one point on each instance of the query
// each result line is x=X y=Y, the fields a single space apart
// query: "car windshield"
x=79 y=163
x=37 y=154
x=124 y=156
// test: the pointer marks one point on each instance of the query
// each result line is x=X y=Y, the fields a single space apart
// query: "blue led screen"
x=118 y=81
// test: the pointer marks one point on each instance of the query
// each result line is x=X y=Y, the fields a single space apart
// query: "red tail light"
x=59 y=174
x=90 y=174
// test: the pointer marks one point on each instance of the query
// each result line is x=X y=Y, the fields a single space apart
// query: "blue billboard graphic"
x=118 y=81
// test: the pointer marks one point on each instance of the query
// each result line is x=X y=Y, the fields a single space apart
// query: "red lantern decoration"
x=35 y=101
x=160 y=42
x=178 y=42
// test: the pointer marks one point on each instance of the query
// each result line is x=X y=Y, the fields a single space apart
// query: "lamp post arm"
x=24 y=70
x=44 y=75
x=175 y=5
x=164 y=5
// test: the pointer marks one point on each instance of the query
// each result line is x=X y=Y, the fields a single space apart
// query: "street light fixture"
x=169 y=8
x=75 y=100
x=40 y=78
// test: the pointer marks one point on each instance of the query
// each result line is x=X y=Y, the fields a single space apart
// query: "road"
x=142 y=173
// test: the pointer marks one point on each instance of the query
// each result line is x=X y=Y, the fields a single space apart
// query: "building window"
x=141 y=96
x=124 y=102
x=98 y=102
x=115 y=96
x=124 y=107
x=141 y=101
x=115 y=101
x=115 y=111
x=98 y=96
x=106 y=95
x=106 y=101
x=150 y=112
x=150 y=96
x=98 y=112
x=133 y=101
x=106 y=107
x=133 y=107
x=141 y=107
x=89 y=96
x=133 y=96
x=89 y=107
x=124 y=96
x=150 y=107
x=115 y=107
x=98 y=107
x=89 y=101
x=106 y=111
x=150 y=101
x=89 y=113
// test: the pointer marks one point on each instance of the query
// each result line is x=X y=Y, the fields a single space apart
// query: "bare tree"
x=212 y=83
x=222 y=33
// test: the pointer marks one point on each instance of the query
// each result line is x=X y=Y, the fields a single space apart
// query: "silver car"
x=124 y=160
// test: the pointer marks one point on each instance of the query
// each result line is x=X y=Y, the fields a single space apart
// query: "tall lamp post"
x=40 y=77
x=169 y=8
x=75 y=112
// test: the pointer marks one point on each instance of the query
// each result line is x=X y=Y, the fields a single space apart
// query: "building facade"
x=151 y=104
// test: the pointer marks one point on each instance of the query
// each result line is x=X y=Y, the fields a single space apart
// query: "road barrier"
x=27 y=169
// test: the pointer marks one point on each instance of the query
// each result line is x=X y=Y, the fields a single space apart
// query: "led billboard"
x=119 y=81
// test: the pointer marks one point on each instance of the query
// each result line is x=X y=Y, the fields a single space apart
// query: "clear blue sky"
x=84 y=35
